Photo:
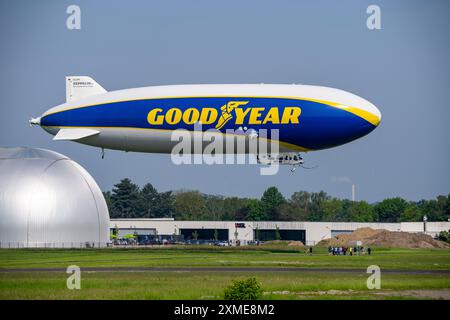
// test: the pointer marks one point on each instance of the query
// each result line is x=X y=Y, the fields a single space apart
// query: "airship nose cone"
x=367 y=111
x=370 y=119
x=377 y=115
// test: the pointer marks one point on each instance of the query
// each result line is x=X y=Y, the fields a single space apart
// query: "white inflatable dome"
x=49 y=200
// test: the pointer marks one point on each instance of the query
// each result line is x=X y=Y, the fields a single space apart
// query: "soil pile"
x=384 y=238
x=296 y=244
x=284 y=243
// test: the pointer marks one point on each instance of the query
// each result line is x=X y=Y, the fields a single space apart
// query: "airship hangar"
x=49 y=201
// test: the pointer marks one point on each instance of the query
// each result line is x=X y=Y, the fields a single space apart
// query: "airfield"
x=202 y=272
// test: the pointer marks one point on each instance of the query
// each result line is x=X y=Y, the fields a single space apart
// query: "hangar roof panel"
x=29 y=153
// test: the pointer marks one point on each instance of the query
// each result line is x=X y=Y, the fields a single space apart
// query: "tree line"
x=128 y=200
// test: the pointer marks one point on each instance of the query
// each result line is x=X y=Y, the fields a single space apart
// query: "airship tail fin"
x=78 y=87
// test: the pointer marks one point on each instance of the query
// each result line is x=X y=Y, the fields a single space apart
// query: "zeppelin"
x=307 y=118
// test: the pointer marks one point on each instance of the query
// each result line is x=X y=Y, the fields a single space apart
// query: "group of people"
x=338 y=251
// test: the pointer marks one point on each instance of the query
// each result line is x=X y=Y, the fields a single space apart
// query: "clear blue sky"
x=403 y=69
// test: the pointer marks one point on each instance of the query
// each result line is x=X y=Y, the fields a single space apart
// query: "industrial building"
x=309 y=233
x=49 y=201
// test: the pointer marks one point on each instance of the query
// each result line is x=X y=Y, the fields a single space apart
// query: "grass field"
x=198 y=284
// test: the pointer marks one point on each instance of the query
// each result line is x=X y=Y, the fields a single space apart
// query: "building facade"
x=309 y=233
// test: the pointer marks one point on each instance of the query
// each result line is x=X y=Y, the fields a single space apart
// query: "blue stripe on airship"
x=320 y=125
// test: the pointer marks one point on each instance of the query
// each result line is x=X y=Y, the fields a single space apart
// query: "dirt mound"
x=284 y=243
x=296 y=244
x=385 y=238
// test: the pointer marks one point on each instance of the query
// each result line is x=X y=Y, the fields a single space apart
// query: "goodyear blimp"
x=307 y=118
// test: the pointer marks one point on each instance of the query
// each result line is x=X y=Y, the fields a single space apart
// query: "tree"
x=216 y=207
x=174 y=234
x=332 y=210
x=149 y=199
x=165 y=206
x=154 y=204
x=436 y=210
x=389 y=210
x=444 y=236
x=447 y=210
x=234 y=208
x=216 y=235
x=255 y=211
x=277 y=233
x=301 y=200
x=195 y=235
x=125 y=200
x=115 y=232
x=271 y=200
x=190 y=205
x=107 y=196
x=288 y=212
x=360 y=211
x=248 y=289
x=317 y=201
x=411 y=213
x=309 y=206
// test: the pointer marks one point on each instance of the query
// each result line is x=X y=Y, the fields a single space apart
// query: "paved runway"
x=223 y=269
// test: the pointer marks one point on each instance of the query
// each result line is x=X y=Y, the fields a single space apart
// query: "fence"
x=55 y=245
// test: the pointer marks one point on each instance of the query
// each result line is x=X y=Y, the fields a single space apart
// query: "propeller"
x=314 y=167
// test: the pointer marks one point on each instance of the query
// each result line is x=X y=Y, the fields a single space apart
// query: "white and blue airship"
x=308 y=118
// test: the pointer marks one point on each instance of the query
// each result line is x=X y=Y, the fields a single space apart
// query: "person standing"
x=369 y=251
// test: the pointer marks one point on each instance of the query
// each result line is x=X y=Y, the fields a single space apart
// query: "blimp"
x=305 y=117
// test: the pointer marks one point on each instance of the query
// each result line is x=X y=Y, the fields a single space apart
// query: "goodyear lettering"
x=191 y=115
x=154 y=118
x=208 y=115
x=255 y=116
x=232 y=110
x=272 y=116
x=291 y=114
x=173 y=116
x=241 y=114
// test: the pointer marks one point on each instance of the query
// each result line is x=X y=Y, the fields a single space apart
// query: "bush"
x=248 y=289
x=444 y=236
